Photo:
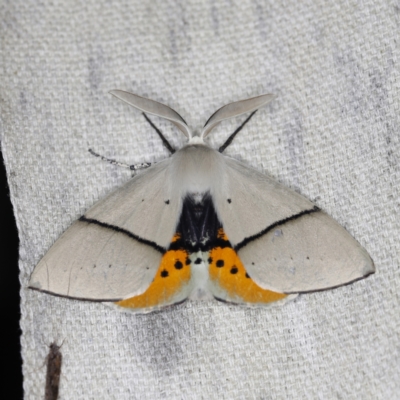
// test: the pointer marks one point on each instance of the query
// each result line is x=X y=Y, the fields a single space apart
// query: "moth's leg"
x=162 y=137
x=133 y=167
x=231 y=137
x=136 y=167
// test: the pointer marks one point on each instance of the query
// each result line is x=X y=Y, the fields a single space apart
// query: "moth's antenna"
x=231 y=137
x=162 y=137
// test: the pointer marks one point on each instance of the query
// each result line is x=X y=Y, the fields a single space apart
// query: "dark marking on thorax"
x=198 y=225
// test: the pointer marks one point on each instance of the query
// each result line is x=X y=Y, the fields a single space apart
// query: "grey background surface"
x=332 y=134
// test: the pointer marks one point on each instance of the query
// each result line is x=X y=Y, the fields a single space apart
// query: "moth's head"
x=161 y=110
x=196 y=139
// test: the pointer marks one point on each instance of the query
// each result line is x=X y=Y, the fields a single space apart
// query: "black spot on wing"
x=178 y=265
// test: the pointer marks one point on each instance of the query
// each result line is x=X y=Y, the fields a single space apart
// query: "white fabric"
x=332 y=133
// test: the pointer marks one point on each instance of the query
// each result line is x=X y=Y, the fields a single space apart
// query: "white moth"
x=198 y=225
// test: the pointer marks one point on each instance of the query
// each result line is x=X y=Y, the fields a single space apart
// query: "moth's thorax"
x=196 y=168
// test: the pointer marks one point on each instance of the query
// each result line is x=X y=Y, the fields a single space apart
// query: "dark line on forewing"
x=115 y=228
x=249 y=239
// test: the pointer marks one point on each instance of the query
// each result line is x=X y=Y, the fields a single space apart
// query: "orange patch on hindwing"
x=172 y=274
x=227 y=271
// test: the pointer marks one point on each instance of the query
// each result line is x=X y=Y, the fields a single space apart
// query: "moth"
x=53 y=373
x=197 y=225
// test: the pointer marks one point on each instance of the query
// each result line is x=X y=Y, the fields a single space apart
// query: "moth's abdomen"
x=229 y=279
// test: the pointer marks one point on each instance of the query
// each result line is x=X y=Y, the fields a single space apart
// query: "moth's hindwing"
x=171 y=283
x=229 y=280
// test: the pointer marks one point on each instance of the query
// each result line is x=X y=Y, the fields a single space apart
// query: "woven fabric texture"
x=332 y=134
